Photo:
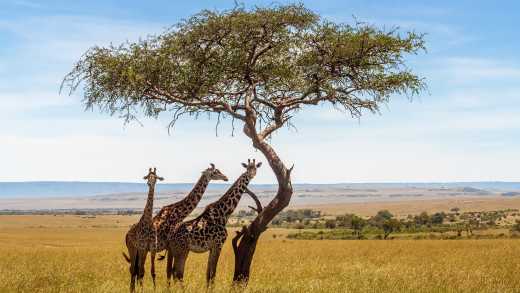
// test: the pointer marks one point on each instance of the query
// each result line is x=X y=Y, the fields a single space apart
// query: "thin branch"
x=258 y=208
x=232 y=126
x=264 y=102
x=217 y=124
x=158 y=94
x=289 y=171
x=279 y=121
x=234 y=241
x=273 y=127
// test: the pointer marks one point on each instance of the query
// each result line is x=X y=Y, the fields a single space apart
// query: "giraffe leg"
x=178 y=266
x=142 y=261
x=214 y=254
x=133 y=267
x=169 y=266
x=152 y=267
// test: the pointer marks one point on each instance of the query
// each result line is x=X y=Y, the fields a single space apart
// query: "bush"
x=299 y=226
x=330 y=224
x=516 y=226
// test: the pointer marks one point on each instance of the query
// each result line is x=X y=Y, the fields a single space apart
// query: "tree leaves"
x=271 y=60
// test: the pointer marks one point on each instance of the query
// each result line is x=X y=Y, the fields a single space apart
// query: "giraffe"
x=171 y=215
x=207 y=232
x=142 y=236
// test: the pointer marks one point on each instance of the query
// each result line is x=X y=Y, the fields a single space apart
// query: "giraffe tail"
x=126 y=257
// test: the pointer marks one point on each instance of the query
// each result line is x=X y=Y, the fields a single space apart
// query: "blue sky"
x=465 y=128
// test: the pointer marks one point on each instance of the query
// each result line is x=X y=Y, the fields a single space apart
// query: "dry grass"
x=416 y=206
x=53 y=254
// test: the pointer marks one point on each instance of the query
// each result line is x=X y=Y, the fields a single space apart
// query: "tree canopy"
x=268 y=61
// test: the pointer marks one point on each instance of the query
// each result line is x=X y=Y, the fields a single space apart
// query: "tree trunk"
x=245 y=249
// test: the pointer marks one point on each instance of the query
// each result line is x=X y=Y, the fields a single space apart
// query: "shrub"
x=330 y=224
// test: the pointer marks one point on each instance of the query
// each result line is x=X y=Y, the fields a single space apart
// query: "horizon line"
x=274 y=183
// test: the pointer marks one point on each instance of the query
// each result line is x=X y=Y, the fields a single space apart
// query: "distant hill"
x=511 y=193
x=74 y=189
x=82 y=189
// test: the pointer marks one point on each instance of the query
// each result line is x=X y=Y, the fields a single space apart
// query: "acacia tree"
x=389 y=226
x=258 y=67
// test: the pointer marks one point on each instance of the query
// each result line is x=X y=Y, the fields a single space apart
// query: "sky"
x=465 y=127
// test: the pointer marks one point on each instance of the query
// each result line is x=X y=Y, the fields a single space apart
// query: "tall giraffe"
x=171 y=215
x=142 y=236
x=207 y=231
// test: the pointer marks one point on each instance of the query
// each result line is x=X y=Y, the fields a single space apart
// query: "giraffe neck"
x=231 y=198
x=191 y=201
x=148 y=209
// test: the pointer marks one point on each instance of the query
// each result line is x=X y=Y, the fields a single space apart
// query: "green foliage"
x=516 y=226
x=438 y=218
x=390 y=225
x=263 y=63
x=330 y=224
x=422 y=226
x=380 y=218
x=335 y=234
x=344 y=221
x=384 y=215
x=422 y=219
x=358 y=224
x=291 y=216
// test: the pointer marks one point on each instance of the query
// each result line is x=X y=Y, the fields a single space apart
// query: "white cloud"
x=123 y=158
x=351 y=158
x=16 y=101
x=326 y=157
x=474 y=70
x=46 y=47
x=45 y=50
x=449 y=35
x=63 y=36
x=481 y=98
x=61 y=40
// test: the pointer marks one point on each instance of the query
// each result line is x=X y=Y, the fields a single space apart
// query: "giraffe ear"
x=259 y=164
x=160 y=178
x=244 y=164
x=212 y=165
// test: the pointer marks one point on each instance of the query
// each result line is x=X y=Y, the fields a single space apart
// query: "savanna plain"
x=70 y=253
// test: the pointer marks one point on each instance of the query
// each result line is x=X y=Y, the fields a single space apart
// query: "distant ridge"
x=45 y=189
x=73 y=189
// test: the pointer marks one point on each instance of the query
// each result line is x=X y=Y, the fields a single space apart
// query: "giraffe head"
x=251 y=167
x=152 y=177
x=213 y=173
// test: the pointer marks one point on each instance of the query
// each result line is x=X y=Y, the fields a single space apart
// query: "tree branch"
x=213 y=106
x=257 y=202
x=234 y=241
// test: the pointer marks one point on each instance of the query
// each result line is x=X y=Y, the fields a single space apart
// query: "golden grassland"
x=75 y=254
